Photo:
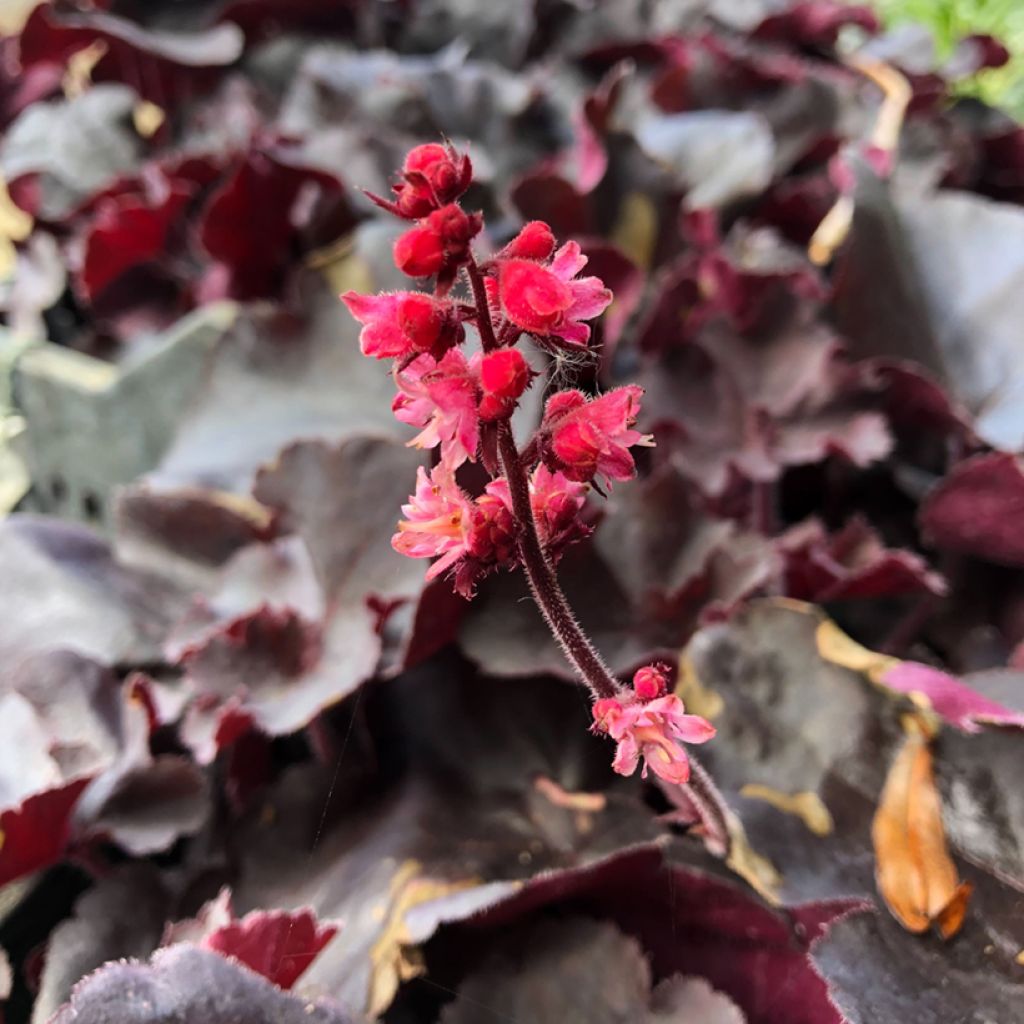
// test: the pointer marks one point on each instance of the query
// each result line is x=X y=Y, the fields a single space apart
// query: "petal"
x=562 y=403
x=574 y=333
x=372 y=307
x=627 y=756
x=670 y=768
x=590 y=298
x=616 y=464
x=691 y=728
x=568 y=261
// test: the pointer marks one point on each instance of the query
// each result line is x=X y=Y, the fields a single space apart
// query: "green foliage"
x=951 y=20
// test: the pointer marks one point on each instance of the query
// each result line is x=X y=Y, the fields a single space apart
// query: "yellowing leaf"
x=393 y=957
x=916 y=875
x=757 y=871
x=78 y=76
x=147 y=118
x=14 y=14
x=806 y=806
x=698 y=698
x=835 y=646
x=636 y=229
x=15 y=226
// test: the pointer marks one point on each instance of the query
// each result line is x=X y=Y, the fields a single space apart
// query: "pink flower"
x=441 y=397
x=401 y=324
x=590 y=438
x=549 y=301
x=473 y=538
x=653 y=730
x=435 y=520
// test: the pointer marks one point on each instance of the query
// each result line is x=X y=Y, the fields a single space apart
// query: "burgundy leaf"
x=853 y=563
x=36 y=831
x=276 y=944
x=972 y=511
x=159 y=66
x=127 y=232
x=263 y=219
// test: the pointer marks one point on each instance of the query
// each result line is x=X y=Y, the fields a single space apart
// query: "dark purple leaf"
x=877 y=975
x=278 y=666
x=121 y=916
x=934 y=278
x=577 y=972
x=466 y=826
x=275 y=378
x=791 y=722
x=184 y=983
x=65 y=590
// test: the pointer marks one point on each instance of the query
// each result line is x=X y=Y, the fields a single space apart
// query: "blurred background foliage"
x=951 y=20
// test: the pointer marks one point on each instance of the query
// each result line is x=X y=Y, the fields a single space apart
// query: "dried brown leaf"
x=916 y=875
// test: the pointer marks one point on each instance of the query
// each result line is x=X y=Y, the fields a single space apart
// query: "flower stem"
x=483 y=309
x=710 y=806
x=547 y=592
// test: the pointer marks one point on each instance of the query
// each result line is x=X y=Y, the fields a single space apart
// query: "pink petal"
x=574 y=333
x=590 y=298
x=675 y=770
x=371 y=307
x=691 y=728
x=627 y=756
x=616 y=464
x=568 y=261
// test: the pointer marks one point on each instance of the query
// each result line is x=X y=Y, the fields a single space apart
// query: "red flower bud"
x=433 y=175
x=504 y=376
x=454 y=226
x=491 y=537
x=534 y=242
x=649 y=683
x=437 y=172
x=505 y=373
x=420 y=251
x=605 y=712
x=422 y=319
x=420 y=159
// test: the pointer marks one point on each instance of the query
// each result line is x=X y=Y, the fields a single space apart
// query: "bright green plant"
x=951 y=20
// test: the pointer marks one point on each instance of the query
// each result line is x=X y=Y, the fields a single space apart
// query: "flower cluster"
x=650 y=723
x=454 y=398
x=461 y=404
x=475 y=536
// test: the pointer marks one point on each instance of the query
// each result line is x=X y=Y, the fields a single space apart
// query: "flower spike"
x=533 y=506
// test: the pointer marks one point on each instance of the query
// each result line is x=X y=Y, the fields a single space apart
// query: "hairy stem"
x=544 y=584
x=483 y=309
x=710 y=805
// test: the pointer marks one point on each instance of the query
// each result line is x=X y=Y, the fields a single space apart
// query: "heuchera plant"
x=531 y=509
